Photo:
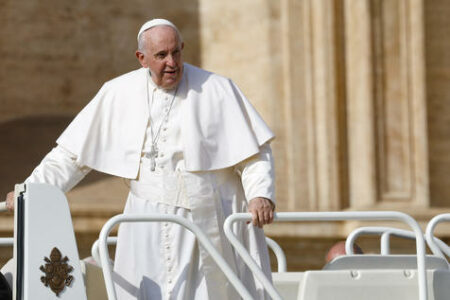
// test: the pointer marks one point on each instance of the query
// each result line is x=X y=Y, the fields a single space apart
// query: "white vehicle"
x=46 y=263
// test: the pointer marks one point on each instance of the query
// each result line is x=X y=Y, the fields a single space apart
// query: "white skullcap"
x=156 y=22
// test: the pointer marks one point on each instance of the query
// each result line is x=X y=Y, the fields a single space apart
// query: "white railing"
x=328 y=216
x=3 y=206
x=279 y=254
x=385 y=233
x=6 y=241
x=95 y=252
x=201 y=237
x=436 y=245
x=112 y=240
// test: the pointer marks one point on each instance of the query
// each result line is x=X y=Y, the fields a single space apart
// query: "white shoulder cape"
x=220 y=127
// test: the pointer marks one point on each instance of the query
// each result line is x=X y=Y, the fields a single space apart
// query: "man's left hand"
x=262 y=211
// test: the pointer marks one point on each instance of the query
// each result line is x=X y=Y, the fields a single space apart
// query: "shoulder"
x=206 y=79
x=127 y=79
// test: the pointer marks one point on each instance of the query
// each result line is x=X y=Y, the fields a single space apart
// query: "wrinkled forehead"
x=162 y=35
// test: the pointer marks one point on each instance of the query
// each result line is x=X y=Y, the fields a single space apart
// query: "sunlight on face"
x=162 y=55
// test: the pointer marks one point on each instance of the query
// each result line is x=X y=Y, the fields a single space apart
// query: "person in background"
x=338 y=249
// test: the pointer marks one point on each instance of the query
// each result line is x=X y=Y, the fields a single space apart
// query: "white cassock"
x=163 y=260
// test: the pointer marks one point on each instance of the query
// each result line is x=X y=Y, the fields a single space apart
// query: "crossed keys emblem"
x=56 y=272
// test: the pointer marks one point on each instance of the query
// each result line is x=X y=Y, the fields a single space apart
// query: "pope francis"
x=192 y=145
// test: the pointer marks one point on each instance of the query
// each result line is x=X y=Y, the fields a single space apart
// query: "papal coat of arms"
x=56 y=272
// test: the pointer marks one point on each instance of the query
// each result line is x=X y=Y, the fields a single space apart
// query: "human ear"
x=141 y=58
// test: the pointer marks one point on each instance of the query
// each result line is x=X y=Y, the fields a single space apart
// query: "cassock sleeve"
x=59 y=168
x=257 y=175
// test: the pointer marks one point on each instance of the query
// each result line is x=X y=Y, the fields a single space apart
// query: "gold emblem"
x=56 y=272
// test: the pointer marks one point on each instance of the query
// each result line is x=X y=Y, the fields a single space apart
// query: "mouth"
x=171 y=72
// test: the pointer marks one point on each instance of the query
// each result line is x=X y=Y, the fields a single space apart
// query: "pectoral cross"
x=153 y=154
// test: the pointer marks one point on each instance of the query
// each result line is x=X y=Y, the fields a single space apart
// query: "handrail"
x=6 y=241
x=111 y=240
x=201 y=237
x=3 y=207
x=385 y=233
x=328 y=216
x=279 y=254
x=434 y=244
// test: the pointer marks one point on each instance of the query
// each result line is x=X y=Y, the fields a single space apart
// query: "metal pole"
x=329 y=216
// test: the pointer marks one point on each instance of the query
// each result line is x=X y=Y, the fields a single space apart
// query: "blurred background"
x=357 y=92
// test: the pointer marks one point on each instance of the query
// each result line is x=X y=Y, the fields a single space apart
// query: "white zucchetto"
x=156 y=22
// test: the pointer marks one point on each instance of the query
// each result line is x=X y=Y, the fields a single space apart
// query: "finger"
x=261 y=217
x=270 y=216
x=267 y=216
x=10 y=201
x=255 y=220
x=8 y=205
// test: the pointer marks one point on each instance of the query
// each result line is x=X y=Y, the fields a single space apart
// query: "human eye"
x=160 y=55
x=176 y=52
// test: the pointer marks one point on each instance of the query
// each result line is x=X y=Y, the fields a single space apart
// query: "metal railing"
x=201 y=237
x=279 y=254
x=436 y=245
x=385 y=233
x=328 y=216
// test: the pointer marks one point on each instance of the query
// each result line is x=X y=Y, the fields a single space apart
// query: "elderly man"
x=192 y=145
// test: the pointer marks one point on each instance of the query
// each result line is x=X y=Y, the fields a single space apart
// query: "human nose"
x=171 y=62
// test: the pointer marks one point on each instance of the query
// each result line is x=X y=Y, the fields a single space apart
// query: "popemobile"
x=46 y=264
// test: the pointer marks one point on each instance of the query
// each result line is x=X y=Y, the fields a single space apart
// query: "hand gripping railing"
x=201 y=237
x=328 y=216
x=436 y=245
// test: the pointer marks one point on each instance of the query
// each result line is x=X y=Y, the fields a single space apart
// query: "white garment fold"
x=220 y=127
x=162 y=260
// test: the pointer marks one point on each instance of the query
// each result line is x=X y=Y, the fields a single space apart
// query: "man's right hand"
x=10 y=201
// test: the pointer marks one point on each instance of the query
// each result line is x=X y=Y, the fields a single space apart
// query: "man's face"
x=162 y=54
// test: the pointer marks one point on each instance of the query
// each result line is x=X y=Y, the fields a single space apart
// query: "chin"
x=171 y=84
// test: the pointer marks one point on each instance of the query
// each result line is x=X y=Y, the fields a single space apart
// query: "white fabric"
x=219 y=128
x=161 y=260
x=59 y=168
x=153 y=23
x=181 y=269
